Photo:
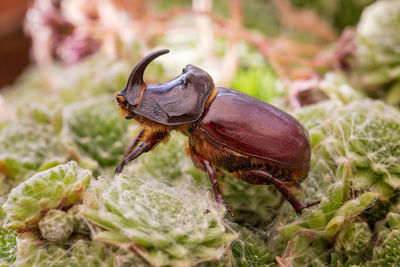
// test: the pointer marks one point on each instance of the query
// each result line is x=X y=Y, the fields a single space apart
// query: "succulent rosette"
x=8 y=246
x=26 y=146
x=158 y=221
x=98 y=130
x=354 y=167
x=250 y=203
x=58 y=187
x=378 y=50
x=56 y=226
x=32 y=251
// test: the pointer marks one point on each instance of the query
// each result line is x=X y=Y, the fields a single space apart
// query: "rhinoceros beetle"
x=226 y=129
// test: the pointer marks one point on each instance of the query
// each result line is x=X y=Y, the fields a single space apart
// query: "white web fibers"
x=208 y=239
x=378 y=48
x=377 y=33
x=30 y=144
x=251 y=204
x=174 y=223
x=58 y=187
x=98 y=130
x=168 y=162
x=33 y=252
x=359 y=138
x=7 y=246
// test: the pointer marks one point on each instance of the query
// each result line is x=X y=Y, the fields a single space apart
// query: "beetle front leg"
x=214 y=183
x=134 y=143
x=146 y=146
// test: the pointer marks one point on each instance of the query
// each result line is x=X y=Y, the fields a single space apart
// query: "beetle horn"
x=136 y=77
x=132 y=90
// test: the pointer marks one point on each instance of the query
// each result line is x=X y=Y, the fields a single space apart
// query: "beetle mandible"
x=226 y=129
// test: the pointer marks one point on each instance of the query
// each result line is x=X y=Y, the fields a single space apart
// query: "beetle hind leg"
x=296 y=204
x=263 y=177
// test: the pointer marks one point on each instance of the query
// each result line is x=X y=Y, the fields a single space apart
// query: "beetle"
x=226 y=129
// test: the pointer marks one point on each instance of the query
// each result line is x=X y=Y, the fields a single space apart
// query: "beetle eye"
x=183 y=70
x=184 y=80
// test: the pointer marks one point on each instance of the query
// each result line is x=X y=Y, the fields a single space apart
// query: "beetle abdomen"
x=255 y=128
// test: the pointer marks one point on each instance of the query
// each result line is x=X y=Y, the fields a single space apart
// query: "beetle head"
x=178 y=101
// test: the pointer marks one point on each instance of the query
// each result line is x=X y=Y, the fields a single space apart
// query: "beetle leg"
x=215 y=185
x=257 y=176
x=296 y=204
x=134 y=143
x=146 y=146
x=197 y=161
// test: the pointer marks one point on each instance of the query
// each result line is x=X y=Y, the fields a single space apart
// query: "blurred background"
x=234 y=40
x=14 y=44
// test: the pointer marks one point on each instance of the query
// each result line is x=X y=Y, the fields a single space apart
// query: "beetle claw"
x=120 y=167
x=221 y=201
x=304 y=206
x=229 y=210
x=313 y=203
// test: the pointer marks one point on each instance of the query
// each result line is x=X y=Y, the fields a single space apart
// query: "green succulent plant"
x=56 y=226
x=33 y=252
x=339 y=13
x=385 y=253
x=377 y=57
x=387 y=237
x=169 y=162
x=26 y=147
x=169 y=217
x=305 y=249
x=260 y=82
x=357 y=140
x=8 y=246
x=250 y=249
x=98 y=130
x=165 y=223
x=354 y=240
x=354 y=165
x=58 y=187
x=338 y=88
x=80 y=224
x=250 y=203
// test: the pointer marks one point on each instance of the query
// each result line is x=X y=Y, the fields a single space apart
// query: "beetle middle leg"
x=205 y=165
x=263 y=177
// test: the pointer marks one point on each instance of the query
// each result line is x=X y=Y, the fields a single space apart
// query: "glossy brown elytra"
x=226 y=129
